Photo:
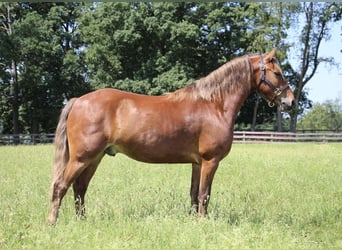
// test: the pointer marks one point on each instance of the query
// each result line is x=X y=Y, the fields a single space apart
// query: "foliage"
x=325 y=116
x=45 y=49
x=261 y=198
x=132 y=46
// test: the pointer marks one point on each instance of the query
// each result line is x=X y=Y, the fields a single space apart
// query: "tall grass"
x=263 y=196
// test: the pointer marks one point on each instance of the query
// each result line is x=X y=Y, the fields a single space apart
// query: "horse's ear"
x=270 y=55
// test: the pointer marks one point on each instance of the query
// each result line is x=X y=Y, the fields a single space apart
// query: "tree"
x=45 y=51
x=9 y=74
x=325 y=116
x=149 y=48
x=317 y=17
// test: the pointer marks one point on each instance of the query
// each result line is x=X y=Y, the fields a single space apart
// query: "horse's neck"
x=232 y=104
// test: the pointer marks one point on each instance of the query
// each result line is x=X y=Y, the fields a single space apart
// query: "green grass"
x=263 y=196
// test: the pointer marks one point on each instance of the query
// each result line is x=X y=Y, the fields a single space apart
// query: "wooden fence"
x=239 y=136
x=29 y=139
x=248 y=136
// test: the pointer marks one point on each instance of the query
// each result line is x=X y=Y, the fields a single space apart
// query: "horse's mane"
x=231 y=77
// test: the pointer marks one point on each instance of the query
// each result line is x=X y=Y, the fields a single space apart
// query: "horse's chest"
x=215 y=139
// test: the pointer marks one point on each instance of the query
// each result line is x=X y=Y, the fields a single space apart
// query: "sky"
x=326 y=84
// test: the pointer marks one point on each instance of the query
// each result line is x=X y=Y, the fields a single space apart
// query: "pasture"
x=263 y=196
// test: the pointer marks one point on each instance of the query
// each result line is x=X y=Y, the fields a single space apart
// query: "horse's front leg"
x=195 y=180
x=208 y=169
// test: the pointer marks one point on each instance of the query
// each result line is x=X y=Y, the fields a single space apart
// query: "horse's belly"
x=155 y=132
x=164 y=152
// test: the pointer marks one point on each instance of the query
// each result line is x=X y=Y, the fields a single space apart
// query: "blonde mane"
x=231 y=77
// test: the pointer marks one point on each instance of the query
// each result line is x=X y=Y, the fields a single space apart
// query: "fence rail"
x=12 y=139
x=239 y=136
x=248 y=136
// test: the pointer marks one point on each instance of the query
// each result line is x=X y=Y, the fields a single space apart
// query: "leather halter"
x=276 y=91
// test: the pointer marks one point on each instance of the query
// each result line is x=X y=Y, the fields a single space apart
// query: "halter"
x=263 y=79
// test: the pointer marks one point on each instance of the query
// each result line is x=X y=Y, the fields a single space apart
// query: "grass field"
x=264 y=196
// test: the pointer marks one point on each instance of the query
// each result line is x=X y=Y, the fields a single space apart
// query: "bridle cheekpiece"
x=263 y=79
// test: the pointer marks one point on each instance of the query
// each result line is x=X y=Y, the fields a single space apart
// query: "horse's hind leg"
x=60 y=186
x=80 y=186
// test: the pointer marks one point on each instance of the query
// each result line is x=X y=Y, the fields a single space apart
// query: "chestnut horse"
x=191 y=125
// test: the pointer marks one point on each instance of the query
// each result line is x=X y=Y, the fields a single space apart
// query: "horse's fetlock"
x=206 y=200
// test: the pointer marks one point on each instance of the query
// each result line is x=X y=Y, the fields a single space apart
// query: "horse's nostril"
x=293 y=103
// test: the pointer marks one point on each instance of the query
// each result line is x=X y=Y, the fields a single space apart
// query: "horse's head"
x=270 y=82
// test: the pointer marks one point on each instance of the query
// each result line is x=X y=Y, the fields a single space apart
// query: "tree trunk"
x=294 y=113
x=314 y=31
x=279 y=121
x=15 y=101
x=15 y=87
x=255 y=112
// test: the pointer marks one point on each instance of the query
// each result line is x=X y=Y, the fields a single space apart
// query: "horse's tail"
x=61 y=143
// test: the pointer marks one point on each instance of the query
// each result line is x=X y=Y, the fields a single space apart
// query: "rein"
x=263 y=79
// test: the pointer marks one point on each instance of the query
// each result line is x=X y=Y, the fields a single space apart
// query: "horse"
x=191 y=125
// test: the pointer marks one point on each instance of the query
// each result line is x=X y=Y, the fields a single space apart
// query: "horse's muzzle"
x=287 y=104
